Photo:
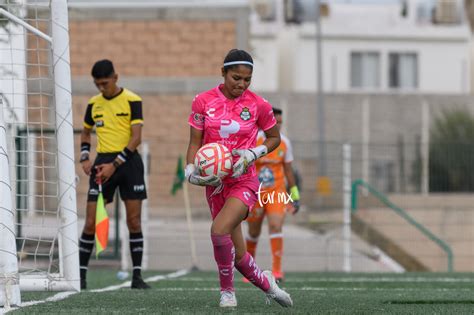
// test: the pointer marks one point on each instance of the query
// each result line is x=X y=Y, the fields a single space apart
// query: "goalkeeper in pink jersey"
x=231 y=115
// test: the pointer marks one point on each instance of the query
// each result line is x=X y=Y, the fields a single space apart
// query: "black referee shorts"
x=129 y=178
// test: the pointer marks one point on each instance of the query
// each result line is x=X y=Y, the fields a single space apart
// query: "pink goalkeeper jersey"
x=233 y=123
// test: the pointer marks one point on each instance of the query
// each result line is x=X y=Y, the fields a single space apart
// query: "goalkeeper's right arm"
x=190 y=172
x=195 y=142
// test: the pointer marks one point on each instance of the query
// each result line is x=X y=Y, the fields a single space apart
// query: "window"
x=265 y=10
x=365 y=70
x=403 y=70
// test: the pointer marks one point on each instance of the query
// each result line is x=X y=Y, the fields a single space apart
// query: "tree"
x=452 y=152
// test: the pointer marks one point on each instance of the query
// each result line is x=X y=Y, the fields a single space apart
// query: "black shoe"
x=138 y=283
x=83 y=284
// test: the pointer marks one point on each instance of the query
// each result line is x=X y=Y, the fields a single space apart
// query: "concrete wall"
x=166 y=55
x=394 y=128
x=391 y=117
x=448 y=216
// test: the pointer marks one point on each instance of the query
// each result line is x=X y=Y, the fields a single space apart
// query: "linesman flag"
x=179 y=177
x=101 y=224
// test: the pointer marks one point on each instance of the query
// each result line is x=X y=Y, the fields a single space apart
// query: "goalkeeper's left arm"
x=248 y=156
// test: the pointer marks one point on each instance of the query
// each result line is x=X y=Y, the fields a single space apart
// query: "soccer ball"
x=122 y=275
x=213 y=159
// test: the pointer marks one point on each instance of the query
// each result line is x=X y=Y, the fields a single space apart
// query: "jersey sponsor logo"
x=245 y=114
x=210 y=112
x=228 y=127
x=98 y=116
x=121 y=114
x=138 y=188
x=99 y=123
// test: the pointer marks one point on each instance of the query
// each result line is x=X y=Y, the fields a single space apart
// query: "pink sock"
x=249 y=269
x=224 y=254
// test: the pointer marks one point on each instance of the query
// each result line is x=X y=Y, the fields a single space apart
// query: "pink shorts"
x=244 y=190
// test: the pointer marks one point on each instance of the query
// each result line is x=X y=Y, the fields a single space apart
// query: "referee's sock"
x=86 y=244
x=136 y=251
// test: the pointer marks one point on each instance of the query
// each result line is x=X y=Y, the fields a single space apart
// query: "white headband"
x=231 y=63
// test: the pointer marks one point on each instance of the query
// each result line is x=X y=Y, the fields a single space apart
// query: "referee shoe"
x=138 y=283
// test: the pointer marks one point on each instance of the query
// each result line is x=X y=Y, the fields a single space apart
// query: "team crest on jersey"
x=99 y=123
x=198 y=119
x=245 y=114
x=280 y=152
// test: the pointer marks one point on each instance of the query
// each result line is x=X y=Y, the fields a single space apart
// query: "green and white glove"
x=192 y=175
x=247 y=157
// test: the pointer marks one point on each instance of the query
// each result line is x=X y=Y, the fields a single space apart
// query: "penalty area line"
x=64 y=295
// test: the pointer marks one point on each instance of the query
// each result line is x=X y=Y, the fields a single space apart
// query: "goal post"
x=9 y=281
x=44 y=199
x=68 y=242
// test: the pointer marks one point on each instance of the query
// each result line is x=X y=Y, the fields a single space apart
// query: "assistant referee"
x=117 y=116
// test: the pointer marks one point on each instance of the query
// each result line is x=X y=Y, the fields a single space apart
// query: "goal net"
x=35 y=100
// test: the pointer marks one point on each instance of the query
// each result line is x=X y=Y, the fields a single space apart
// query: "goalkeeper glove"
x=295 y=196
x=192 y=175
x=247 y=157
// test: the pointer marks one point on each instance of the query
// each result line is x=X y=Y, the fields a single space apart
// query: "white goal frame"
x=68 y=277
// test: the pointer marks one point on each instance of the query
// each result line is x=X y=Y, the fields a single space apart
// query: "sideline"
x=64 y=295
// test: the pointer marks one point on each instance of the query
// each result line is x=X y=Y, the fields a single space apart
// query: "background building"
x=377 y=48
x=388 y=72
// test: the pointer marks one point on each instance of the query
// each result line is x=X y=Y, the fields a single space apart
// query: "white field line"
x=357 y=279
x=176 y=274
x=63 y=295
x=320 y=289
x=57 y=297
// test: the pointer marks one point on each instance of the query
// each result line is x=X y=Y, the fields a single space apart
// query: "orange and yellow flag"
x=101 y=225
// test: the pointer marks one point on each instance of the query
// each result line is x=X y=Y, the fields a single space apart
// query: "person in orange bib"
x=273 y=199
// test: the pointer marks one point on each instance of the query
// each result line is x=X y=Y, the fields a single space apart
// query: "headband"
x=231 y=63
